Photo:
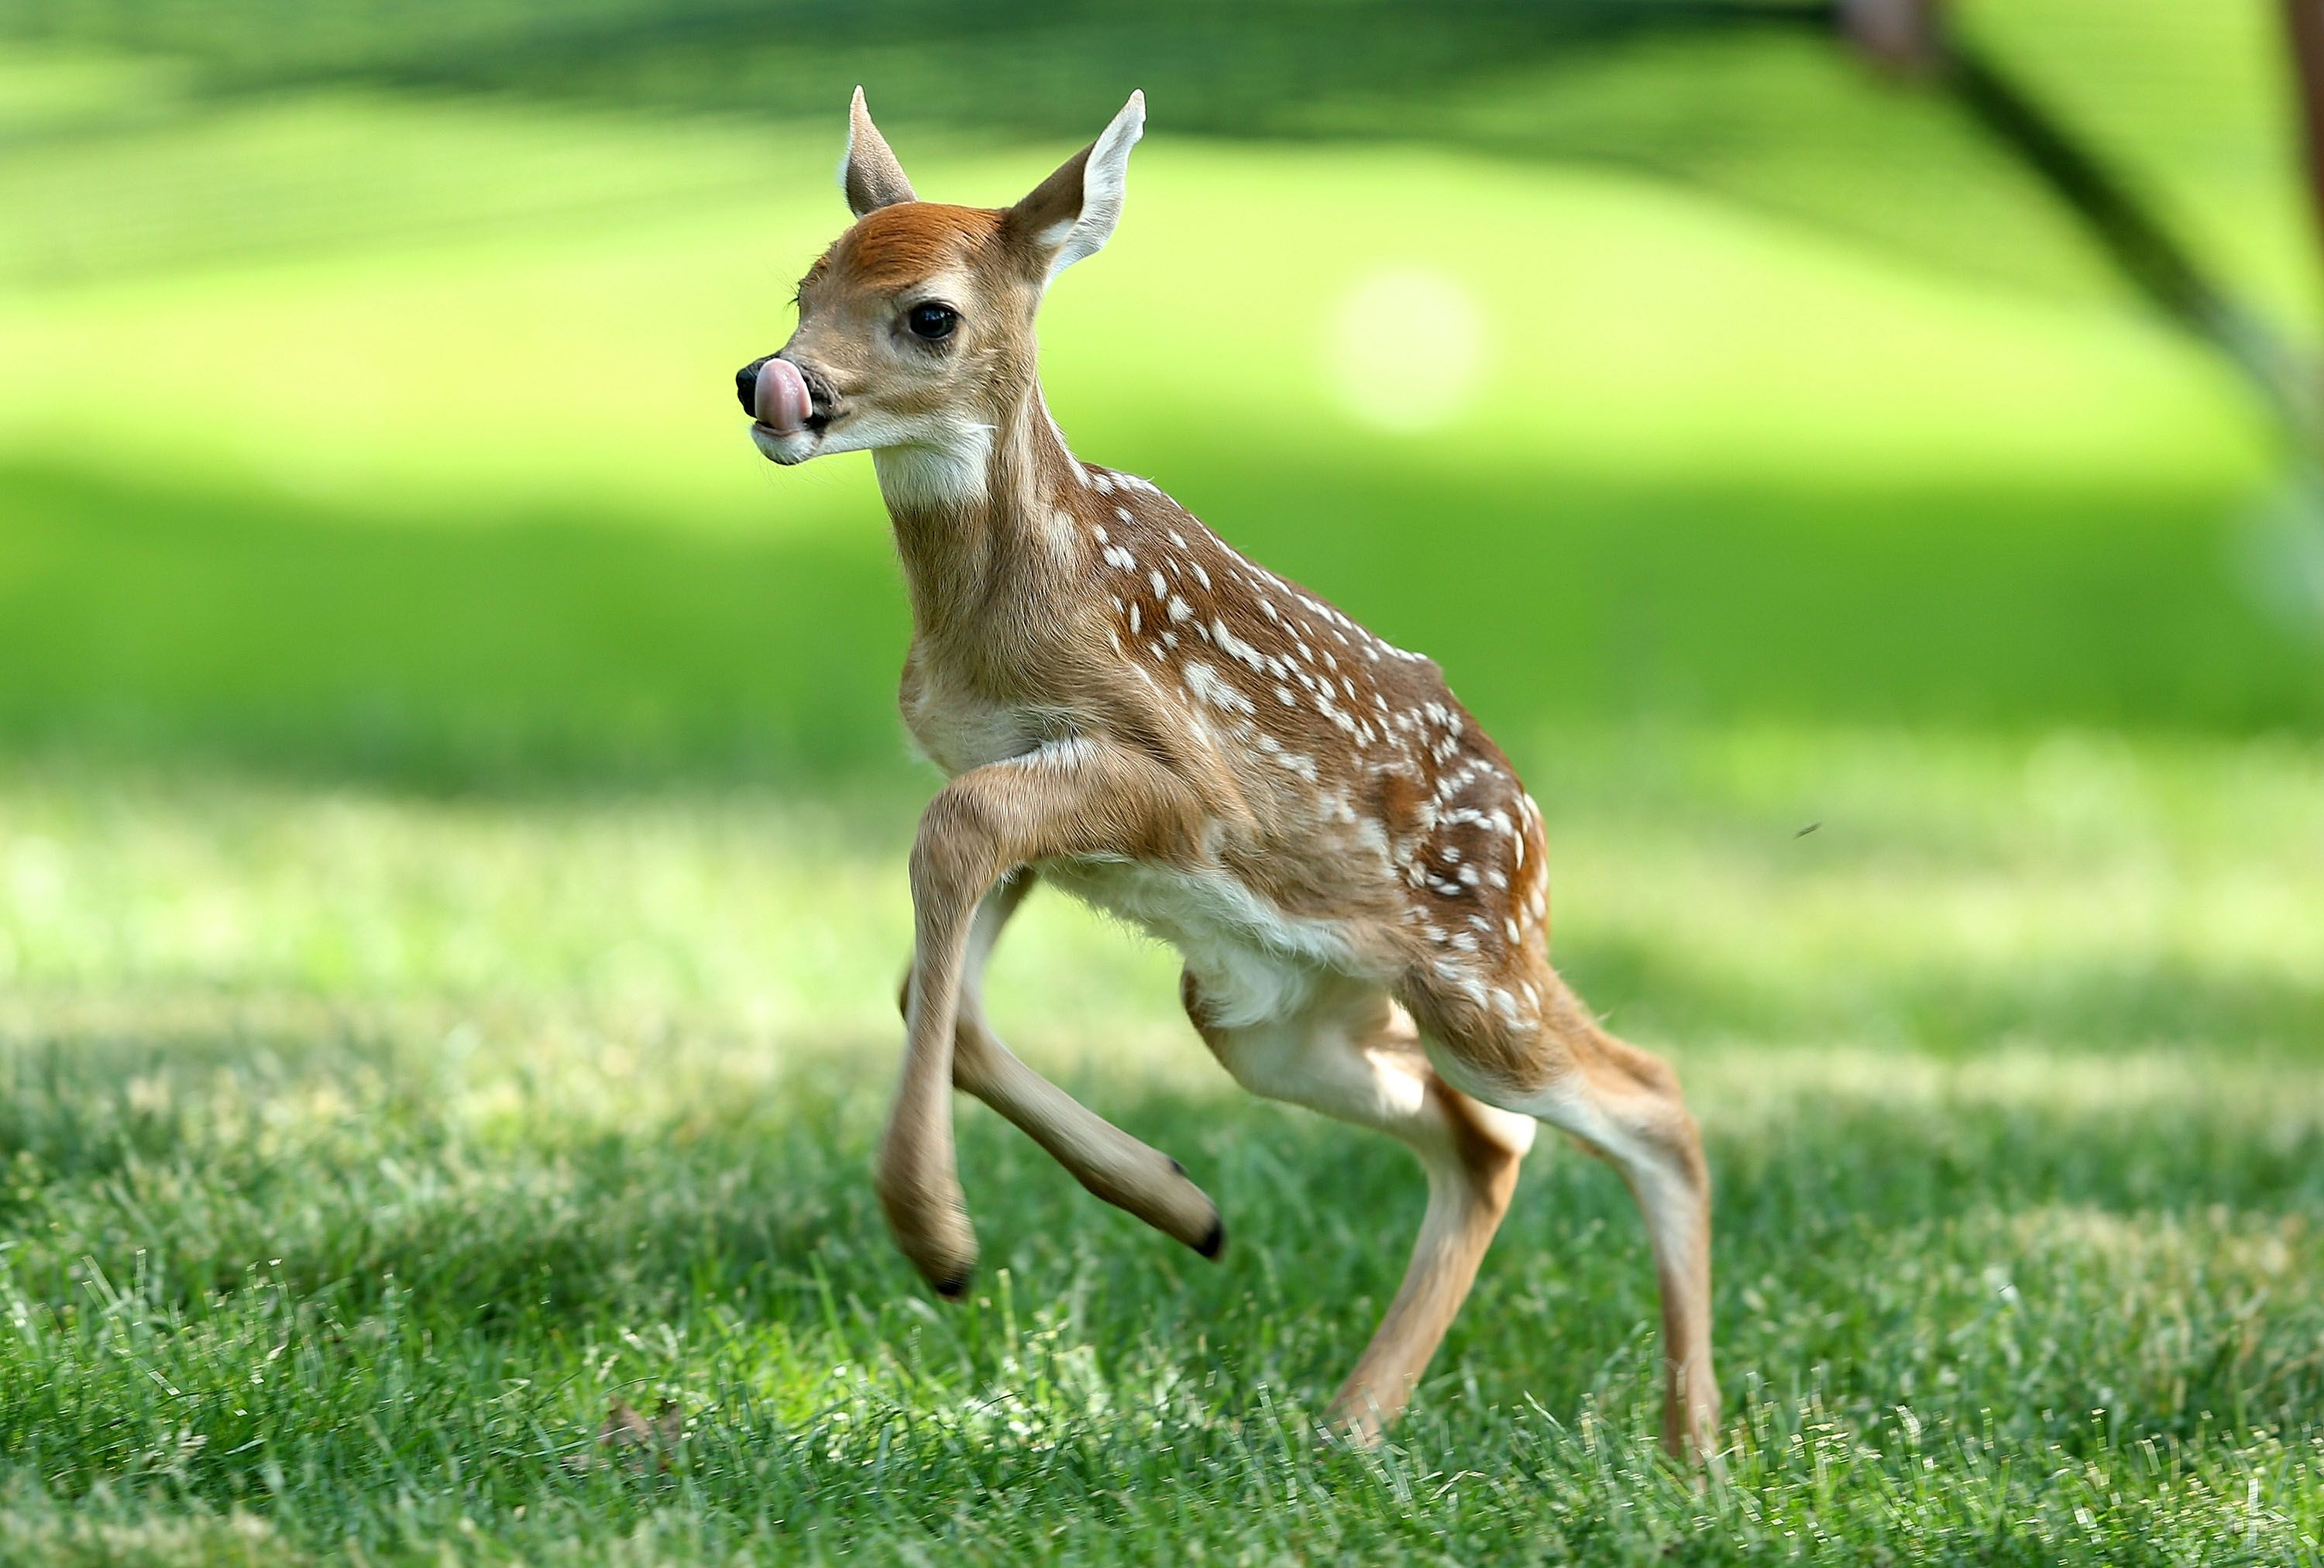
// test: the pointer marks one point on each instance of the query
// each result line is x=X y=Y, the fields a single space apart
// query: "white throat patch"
x=926 y=474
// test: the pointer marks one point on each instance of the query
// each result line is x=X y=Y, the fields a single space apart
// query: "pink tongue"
x=781 y=398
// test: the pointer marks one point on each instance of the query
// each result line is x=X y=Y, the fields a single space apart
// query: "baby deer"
x=1129 y=709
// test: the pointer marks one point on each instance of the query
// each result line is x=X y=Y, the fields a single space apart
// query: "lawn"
x=452 y=822
x=366 y=1147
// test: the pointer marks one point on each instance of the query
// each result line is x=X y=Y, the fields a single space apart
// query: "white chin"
x=784 y=449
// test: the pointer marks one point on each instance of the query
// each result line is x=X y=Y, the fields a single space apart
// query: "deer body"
x=1131 y=710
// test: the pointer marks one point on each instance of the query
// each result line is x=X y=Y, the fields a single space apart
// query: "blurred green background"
x=452 y=810
x=367 y=404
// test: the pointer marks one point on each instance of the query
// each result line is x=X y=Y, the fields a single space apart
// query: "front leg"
x=1070 y=797
x=1107 y=1161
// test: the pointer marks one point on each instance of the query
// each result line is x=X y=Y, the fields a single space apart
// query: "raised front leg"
x=1106 y=1160
x=1071 y=798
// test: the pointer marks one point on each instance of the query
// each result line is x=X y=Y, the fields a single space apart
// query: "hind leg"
x=1350 y=1052
x=1527 y=1044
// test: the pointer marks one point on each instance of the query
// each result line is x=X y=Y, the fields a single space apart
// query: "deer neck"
x=982 y=524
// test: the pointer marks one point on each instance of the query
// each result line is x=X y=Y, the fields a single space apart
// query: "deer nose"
x=746 y=386
x=775 y=393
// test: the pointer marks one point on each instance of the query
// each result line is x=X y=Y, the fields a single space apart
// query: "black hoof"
x=953 y=1288
x=1215 y=1243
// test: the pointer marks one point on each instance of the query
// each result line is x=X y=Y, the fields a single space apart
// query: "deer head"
x=915 y=327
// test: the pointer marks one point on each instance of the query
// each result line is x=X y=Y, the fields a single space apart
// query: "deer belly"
x=1253 y=962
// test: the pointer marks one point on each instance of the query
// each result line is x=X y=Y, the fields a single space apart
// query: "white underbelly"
x=1253 y=962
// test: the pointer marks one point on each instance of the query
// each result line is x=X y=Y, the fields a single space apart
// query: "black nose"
x=746 y=384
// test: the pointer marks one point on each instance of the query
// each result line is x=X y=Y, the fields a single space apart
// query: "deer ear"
x=1071 y=214
x=870 y=174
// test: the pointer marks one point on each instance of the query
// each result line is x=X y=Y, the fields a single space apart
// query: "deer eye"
x=932 y=322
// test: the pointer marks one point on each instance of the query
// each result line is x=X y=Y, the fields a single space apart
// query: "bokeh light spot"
x=1406 y=349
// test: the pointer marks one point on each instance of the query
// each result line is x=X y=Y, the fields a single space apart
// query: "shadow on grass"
x=1230 y=68
x=528 y=651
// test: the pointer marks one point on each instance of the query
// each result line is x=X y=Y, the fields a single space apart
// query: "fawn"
x=1129 y=709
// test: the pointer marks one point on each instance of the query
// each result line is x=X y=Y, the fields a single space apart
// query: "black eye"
x=932 y=322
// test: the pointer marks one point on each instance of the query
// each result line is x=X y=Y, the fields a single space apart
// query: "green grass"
x=452 y=818
x=363 y=1147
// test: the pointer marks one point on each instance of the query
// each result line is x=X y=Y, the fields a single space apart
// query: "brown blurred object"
x=2304 y=22
x=1903 y=36
x=1908 y=40
x=628 y=1439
